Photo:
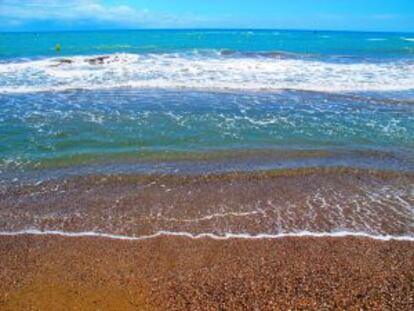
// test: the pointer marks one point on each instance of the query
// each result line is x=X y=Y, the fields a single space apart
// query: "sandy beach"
x=173 y=273
x=149 y=266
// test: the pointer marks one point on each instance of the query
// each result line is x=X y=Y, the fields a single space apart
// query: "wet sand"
x=271 y=202
x=173 y=273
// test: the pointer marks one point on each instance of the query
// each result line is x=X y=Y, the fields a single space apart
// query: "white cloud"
x=92 y=11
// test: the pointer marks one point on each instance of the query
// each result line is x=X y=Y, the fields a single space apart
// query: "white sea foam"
x=408 y=39
x=204 y=71
x=225 y=236
x=213 y=216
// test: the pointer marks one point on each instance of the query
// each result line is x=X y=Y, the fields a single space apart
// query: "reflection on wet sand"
x=269 y=202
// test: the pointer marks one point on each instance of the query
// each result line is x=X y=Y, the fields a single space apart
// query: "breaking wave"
x=217 y=70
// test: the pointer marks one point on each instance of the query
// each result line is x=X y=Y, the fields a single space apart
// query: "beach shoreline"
x=267 y=204
x=177 y=273
x=206 y=170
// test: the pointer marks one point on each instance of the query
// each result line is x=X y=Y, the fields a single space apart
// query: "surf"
x=205 y=71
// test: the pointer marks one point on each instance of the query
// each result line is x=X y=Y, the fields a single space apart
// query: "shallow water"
x=269 y=203
x=211 y=130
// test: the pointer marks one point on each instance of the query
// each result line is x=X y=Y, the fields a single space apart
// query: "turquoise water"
x=14 y=45
x=193 y=100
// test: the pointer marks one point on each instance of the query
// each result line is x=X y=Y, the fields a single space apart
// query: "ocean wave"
x=268 y=54
x=221 y=70
x=408 y=39
x=224 y=236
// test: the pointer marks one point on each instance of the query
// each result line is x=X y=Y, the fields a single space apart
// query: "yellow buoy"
x=58 y=47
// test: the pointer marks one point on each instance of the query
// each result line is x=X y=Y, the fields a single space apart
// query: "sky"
x=52 y=15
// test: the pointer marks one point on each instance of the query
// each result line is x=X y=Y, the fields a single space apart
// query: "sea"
x=207 y=134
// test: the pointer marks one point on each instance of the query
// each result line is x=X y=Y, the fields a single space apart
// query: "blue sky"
x=372 y=15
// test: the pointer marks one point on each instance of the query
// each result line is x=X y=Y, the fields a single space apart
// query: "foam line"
x=200 y=72
x=226 y=236
x=213 y=216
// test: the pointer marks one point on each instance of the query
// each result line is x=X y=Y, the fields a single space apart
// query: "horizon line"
x=209 y=29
